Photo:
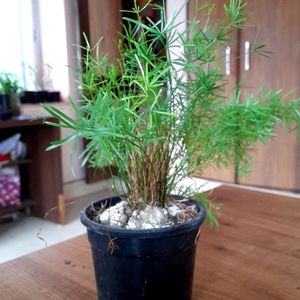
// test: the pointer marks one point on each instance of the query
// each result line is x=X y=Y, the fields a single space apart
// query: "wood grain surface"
x=100 y=19
x=277 y=25
x=105 y=21
x=254 y=255
x=222 y=173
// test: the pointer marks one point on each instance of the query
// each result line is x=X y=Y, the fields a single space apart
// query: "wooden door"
x=225 y=174
x=277 y=25
x=101 y=18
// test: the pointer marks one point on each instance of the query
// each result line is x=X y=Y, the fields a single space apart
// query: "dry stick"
x=38 y=234
x=112 y=246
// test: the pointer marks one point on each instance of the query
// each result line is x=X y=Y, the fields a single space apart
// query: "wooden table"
x=254 y=255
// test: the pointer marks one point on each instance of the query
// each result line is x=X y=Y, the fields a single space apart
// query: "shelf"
x=41 y=174
x=24 y=123
x=16 y=163
x=26 y=204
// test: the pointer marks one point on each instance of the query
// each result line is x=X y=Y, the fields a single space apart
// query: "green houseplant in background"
x=41 y=77
x=156 y=126
x=9 y=85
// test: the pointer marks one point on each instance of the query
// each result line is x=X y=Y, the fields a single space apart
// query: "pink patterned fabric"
x=10 y=193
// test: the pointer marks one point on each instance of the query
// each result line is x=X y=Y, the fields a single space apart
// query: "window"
x=33 y=43
x=17 y=39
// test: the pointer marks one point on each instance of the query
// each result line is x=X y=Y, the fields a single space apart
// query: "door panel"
x=105 y=20
x=226 y=174
x=277 y=25
x=101 y=18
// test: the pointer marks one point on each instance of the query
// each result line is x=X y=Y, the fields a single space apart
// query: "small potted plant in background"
x=10 y=92
x=52 y=95
x=43 y=86
x=156 y=128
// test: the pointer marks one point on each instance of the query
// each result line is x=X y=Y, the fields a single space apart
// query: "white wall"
x=181 y=7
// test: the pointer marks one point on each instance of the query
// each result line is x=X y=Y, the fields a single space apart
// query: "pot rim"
x=142 y=233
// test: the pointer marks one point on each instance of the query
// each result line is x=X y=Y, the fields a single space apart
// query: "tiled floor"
x=20 y=237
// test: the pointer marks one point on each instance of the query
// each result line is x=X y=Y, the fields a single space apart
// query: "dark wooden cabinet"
x=41 y=172
x=276 y=24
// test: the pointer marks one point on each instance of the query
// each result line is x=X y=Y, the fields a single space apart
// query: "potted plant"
x=156 y=123
x=43 y=85
x=4 y=104
x=52 y=95
x=9 y=85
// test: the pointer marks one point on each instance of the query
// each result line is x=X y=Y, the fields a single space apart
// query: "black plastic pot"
x=41 y=96
x=14 y=104
x=27 y=97
x=53 y=97
x=145 y=264
x=4 y=107
x=34 y=97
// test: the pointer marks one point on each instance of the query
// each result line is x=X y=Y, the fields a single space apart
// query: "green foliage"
x=9 y=83
x=212 y=208
x=143 y=117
